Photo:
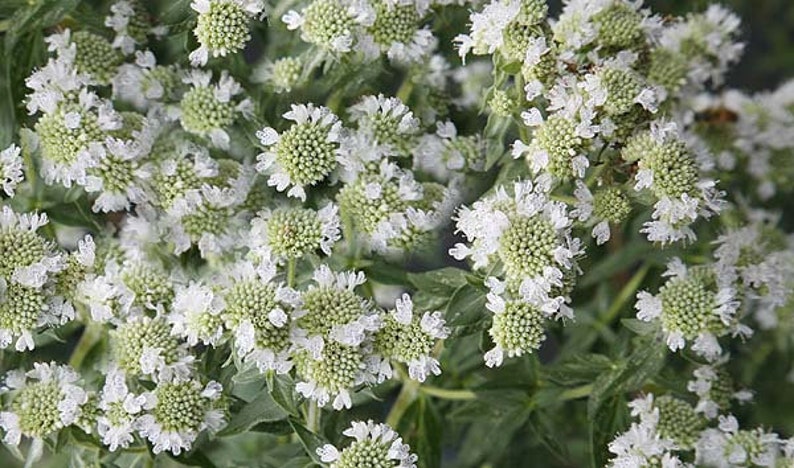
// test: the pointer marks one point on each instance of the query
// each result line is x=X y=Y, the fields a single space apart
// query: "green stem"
x=625 y=294
x=291 y=272
x=576 y=393
x=448 y=394
x=407 y=396
x=91 y=335
x=34 y=452
x=334 y=101
x=31 y=175
x=313 y=417
x=406 y=88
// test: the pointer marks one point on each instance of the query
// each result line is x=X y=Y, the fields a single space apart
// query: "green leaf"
x=71 y=214
x=427 y=430
x=262 y=409
x=386 y=273
x=466 y=306
x=8 y=122
x=639 y=327
x=310 y=441
x=282 y=389
x=645 y=361
x=442 y=282
x=578 y=369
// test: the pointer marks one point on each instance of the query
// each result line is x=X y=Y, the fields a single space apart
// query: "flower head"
x=222 y=26
x=303 y=155
x=44 y=400
x=374 y=445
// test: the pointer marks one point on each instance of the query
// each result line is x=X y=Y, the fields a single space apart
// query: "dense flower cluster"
x=211 y=245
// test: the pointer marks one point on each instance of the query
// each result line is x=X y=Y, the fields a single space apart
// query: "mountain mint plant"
x=391 y=233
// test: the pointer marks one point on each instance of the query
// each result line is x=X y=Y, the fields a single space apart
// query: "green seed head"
x=203 y=112
x=37 y=407
x=611 y=204
x=518 y=329
x=129 y=341
x=95 y=56
x=678 y=421
x=224 y=28
x=619 y=26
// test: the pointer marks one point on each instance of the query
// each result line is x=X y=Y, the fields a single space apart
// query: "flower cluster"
x=254 y=226
x=528 y=236
x=670 y=432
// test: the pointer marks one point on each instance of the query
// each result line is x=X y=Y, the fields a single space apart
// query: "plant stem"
x=406 y=88
x=313 y=417
x=625 y=294
x=34 y=452
x=291 y=272
x=576 y=393
x=448 y=394
x=407 y=396
x=91 y=334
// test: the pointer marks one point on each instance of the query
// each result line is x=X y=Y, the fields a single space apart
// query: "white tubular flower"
x=144 y=346
x=90 y=54
x=531 y=236
x=608 y=206
x=65 y=133
x=715 y=389
x=29 y=258
x=647 y=442
x=11 y=169
x=669 y=171
x=445 y=154
x=120 y=410
x=196 y=314
x=386 y=122
x=396 y=32
x=517 y=327
x=257 y=312
x=183 y=169
x=78 y=269
x=292 y=232
x=130 y=20
x=44 y=400
x=708 y=42
x=410 y=338
x=28 y=268
x=118 y=173
x=147 y=85
x=728 y=446
x=374 y=445
x=303 y=155
x=694 y=306
x=394 y=211
x=209 y=109
x=100 y=296
x=486 y=33
x=210 y=219
x=330 y=310
x=560 y=142
x=222 y=26
x=336 y=26
x=334 y=329
x=177 y=410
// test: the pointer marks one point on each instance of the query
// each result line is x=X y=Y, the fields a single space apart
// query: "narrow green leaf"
x=310 y=441
x=262 y=409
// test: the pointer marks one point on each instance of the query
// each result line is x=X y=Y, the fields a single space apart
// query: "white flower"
x=195 y=314
x=117 y=424
x=11 y=169
x=367 y=434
